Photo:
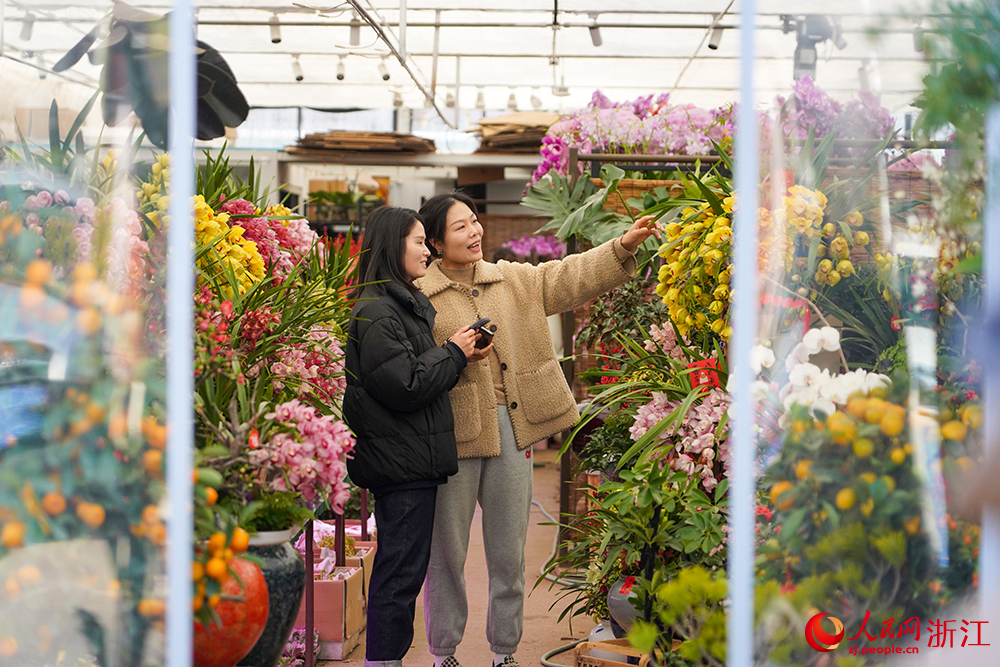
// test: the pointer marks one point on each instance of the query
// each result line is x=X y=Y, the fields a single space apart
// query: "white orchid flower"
x=824 y=338
x=761 y=356
x=804 y=375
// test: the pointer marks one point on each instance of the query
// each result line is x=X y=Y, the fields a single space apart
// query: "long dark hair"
x=382 y=250
x=434 y=214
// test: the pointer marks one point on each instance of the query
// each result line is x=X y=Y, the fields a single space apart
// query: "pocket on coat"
x=544 y=392
x=465 y=409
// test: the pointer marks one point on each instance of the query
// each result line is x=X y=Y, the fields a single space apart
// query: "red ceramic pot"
x=243 y=620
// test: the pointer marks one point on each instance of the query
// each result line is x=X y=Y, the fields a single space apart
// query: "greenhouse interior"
x=742 y=408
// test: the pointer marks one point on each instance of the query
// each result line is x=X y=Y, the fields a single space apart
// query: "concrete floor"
x=542 y=633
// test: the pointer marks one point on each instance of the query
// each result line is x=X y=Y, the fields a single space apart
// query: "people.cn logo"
x=819 y=638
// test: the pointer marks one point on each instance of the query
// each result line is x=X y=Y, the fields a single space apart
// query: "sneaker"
x=451 y=661
x=508 y=661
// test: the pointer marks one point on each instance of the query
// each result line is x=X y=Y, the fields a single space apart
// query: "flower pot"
x=285 y=574
x=242 y=621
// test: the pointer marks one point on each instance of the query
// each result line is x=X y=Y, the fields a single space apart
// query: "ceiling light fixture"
x=355 y=31
x=536 y=102
x=449 y=100
x=918 y=37
x=275 y=24
x=480 y=100
x=397 y=100
x=27 y=26
x=383 y=70
x=715 y=39
x=863 y=76
x=595 y=32
x=297 y=67
x=340 y=69
x=562 y=90
x=512 y=101
x=43 y=70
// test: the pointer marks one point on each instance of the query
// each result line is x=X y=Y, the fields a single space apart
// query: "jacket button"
x=503 y=367
x=513 y=405
x=475 y=292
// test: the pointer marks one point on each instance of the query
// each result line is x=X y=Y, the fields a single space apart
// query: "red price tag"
x=627 y=586
x=704 y=372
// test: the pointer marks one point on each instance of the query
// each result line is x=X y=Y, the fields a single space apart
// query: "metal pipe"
x=402 y=29
x=180 y=346
x=989 y=549
x=458 y=85
x=741 y=550
x=434 y=56
x=310 y=594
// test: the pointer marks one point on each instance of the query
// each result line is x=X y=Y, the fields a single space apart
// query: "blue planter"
x=285 y=574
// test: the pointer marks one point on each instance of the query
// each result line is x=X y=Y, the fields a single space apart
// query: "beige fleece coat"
x=517 y=298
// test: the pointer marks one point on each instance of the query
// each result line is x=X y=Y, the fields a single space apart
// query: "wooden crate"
x=632 y=188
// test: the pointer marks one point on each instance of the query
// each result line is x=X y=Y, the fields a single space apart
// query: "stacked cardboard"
x=514 y=133
x=338 y=142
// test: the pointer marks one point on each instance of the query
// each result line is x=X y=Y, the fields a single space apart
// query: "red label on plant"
x=627 y=586
x=704 y=373
x=254 y=442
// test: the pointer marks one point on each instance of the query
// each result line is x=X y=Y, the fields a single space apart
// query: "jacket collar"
x=436 y=282
x=418 y=303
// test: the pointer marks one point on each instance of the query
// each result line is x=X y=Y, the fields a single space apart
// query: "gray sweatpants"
x=502 y=485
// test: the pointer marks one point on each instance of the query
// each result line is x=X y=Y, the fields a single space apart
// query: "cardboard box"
x=366 y=561
x=338 y=614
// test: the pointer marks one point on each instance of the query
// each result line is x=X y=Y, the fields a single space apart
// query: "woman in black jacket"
x=397 y=404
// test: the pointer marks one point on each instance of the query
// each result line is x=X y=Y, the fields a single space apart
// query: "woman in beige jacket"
x=511 y=395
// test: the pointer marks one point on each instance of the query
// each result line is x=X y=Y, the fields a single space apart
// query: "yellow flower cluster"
x=153 y=199
x=232 y=251
x=804 y=221
x=695 y=275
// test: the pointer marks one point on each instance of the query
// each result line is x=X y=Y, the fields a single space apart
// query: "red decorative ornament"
x=704 y=373
x=242 y=620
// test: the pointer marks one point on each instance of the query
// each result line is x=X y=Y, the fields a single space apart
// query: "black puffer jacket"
x=397 y=391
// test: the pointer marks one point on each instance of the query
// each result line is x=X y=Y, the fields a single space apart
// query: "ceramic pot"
x=285 y=574
x=242 y=621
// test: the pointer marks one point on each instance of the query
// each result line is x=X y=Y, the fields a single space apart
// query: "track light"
x=536 y=102
x=562 y=90
x=809 y=31
x=275 y=29
x=918 y=38
x=297 y=68
x=340 y=69
x=480 y=100
x=449 y=100
x=43 y=70
x=715 y=39
x=397 y=100
x=595 y=31
x=355 y=31
x=383 y=70
x=27 y=26
x=512 y=101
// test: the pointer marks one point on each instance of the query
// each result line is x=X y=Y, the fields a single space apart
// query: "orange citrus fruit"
x=211 y=495
x=972 y=416
x=845 y=499
x=157 y=534
x=91 y=514
x=875 y=410
x=216 y=543
x=842 y=428
x=54 y=503
x=150 y=514
x=152 y=461
x=12 y=534
x=856 y=407
x=88 y=321
x=240 y=540
x=863 y=447
x=803 y=469
x=217 y=568
x=780 y=496
x=954 y=430
x=898 y=455
x=38 y=271
x=892 y=423
x=197 y=570
x=151 y=607
x=912 y=526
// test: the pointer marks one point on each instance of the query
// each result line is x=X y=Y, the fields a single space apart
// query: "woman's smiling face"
x=463 y=237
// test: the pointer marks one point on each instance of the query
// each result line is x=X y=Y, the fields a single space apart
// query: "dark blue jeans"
x=404 y=519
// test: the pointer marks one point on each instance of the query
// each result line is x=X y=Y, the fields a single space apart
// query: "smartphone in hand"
x=486 y=336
